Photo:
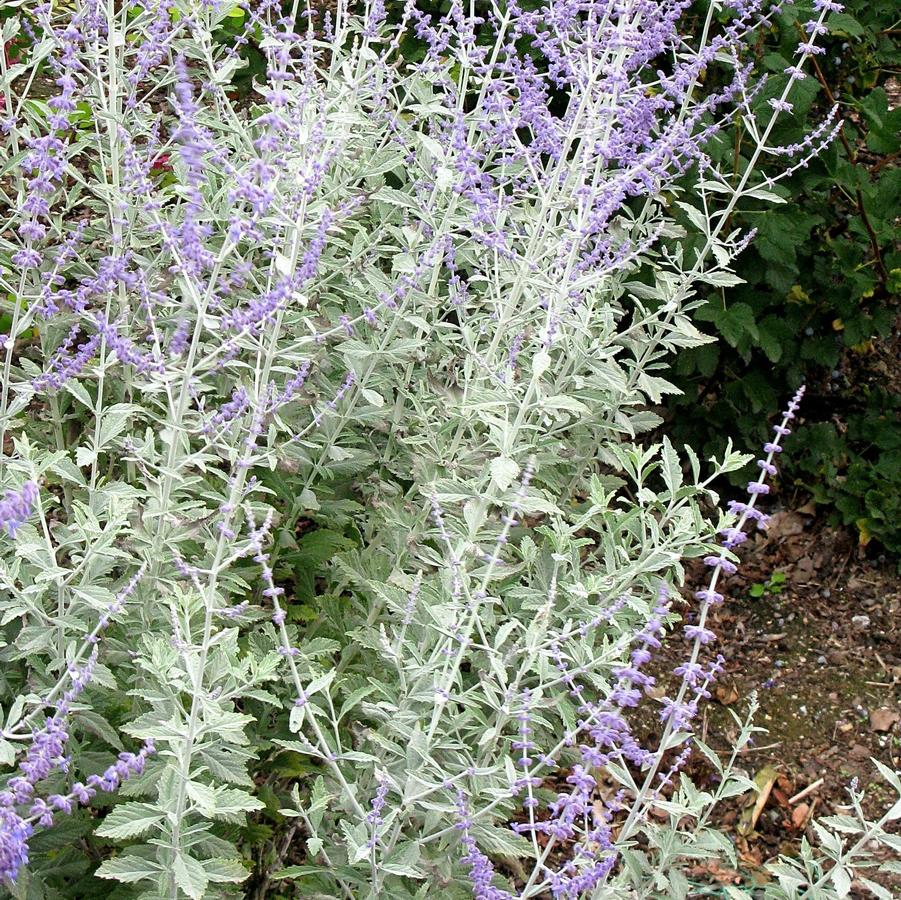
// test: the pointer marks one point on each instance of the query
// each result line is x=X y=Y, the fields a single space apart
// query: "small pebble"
x=821 y=660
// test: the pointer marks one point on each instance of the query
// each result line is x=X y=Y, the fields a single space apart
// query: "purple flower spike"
x=14 y=835
x=733 y=537
x=704 y=635
x=480 y=869
x=16 y=507
x=717 y=562
x=758 y=487
x=374 y=816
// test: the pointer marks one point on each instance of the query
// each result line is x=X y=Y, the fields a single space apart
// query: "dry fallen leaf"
x=764 y=781
x=785 y=524
x=713 y=870
x=800 y=815
x=804 y=570
x=884 y=718
x=727 y=694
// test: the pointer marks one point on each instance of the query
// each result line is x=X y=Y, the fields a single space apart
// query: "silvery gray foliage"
x=422 y=301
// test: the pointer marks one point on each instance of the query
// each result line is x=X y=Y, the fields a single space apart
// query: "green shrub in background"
x=822 y=278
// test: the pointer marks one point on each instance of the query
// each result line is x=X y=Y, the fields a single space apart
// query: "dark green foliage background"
x=823 y=277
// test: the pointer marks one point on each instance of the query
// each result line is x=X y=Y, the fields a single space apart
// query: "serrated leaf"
x=503 y=471
x=128 y=820
x=672 y=468
x=96 y=724
x=842 y=880
x=129 y=869
x=348 y=873
x=232 y=803
x=354 y=698
x=501 y=840
x=402 y=861
x=722 y=279
x=319 y=800
x=116 y=419
x=221 y=870
x=190 y=876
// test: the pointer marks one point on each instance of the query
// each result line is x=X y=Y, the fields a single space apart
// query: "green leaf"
x=722 y=279
x=7 y=753
x=672 y=468
x=877 y=890
x=96 y=724
x=402 y=861
x=220 y=870
x=503 y=471
x=884 y=135
x=319 y=546
x=129 y=869
x=116 y=419
x=319 y=800
x=232 y=803
x=844 y=23
x=128 y=820
x=842 y=880
x=348 y=873
x=354 y=698
x=735 y=322
x=190 y=876
x=295 y=718
x=501 y=841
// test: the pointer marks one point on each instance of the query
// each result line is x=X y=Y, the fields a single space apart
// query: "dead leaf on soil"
x=749 y=854
x=800 y=814
x=804 y=570
x=785 y=524
x=727 y=694
x=713 y=870
x=884 y=718
x=764 y=781
x=782 y=790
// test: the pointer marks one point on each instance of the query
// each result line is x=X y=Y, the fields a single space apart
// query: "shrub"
x=822 y=284
x=322 y=416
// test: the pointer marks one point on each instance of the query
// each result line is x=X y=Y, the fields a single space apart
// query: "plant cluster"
x=327 y=503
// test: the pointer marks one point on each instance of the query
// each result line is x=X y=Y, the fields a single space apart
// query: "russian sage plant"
x=321 y=425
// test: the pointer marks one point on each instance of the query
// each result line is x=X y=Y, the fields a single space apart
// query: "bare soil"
x=821 y=650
